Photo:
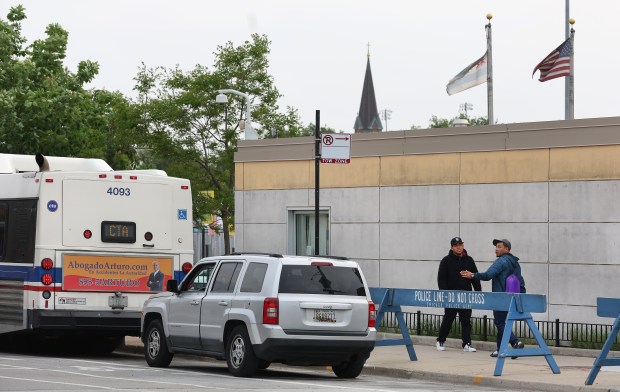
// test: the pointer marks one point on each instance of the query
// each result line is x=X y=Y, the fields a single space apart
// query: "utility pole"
x=386 y=114
x=464 y=107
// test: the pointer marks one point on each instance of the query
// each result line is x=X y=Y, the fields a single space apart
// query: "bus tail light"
x=372 y=314
x=47 y=279
x=47 y=264
x=271 y=309
x=88 y=234
x=186 y=267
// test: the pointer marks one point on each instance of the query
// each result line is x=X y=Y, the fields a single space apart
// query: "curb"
x=492 y=381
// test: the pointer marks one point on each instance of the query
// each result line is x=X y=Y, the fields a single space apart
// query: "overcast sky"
x=319 y=50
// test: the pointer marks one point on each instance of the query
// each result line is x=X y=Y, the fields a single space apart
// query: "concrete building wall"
x=547 y=187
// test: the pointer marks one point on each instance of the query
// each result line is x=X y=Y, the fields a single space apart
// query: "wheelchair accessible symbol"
x=52 y=205
x=182 y=214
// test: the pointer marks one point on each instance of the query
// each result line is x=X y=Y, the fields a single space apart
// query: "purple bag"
x=512 y=284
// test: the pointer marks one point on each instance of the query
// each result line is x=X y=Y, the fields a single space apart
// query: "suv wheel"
x=155 y=347
x=242 y=361
x=349 y=369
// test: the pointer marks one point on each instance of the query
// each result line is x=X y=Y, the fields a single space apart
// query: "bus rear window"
x=316 y=279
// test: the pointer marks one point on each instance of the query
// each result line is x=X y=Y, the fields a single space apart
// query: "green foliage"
x=193 y=137
x=45 y=108
x=437 y=122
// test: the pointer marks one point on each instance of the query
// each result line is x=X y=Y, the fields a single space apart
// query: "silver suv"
x=253 y=309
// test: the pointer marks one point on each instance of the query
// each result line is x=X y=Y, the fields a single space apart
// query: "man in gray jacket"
x=505 y=264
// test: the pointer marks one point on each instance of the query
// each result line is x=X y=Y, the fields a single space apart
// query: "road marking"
x=112 y=378
x=56 y=382
x=197 y=373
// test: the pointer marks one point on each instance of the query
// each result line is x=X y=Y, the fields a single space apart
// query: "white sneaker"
x=469 y=349
x=440 y=346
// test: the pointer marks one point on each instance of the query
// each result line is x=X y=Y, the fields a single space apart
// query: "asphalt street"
x=128 y=372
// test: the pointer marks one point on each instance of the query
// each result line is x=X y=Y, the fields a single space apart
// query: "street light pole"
x=250 y=133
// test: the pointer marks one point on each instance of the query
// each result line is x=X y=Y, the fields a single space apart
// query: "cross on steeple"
x=368 y=44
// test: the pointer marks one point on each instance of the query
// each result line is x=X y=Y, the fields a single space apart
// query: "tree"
x=195 y=138
x=437 y=122
x=45 y=108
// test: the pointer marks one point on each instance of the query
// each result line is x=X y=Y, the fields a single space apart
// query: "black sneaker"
x=494 y=354
x=517 y=345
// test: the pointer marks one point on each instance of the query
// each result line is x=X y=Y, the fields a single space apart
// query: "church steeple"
x=368 y=116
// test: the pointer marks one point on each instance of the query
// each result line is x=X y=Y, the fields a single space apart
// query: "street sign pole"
x=317 y=160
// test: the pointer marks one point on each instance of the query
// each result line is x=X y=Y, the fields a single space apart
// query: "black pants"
x=448 y=319
x=499 y=319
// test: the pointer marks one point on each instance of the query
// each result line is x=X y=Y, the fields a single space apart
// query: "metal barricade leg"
x=387 y=305
x=601 y=359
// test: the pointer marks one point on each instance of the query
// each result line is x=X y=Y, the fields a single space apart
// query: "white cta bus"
x=82 y=246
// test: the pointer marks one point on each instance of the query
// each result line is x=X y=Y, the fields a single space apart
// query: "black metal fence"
x=556 y=333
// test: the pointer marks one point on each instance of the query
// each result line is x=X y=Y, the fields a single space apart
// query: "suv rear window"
x=314 y=279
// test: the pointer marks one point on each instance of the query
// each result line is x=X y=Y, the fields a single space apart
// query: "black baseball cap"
x=503 y=241
x=456 y=240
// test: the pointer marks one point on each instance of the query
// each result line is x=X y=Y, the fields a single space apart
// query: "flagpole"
x=571 y=94
x=489 y=71
x=567 y=88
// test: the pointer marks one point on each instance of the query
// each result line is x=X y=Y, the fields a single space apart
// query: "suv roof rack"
x=331 y=257
x=257 y=254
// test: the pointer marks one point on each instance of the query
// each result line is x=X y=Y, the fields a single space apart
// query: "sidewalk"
x=526 y=373
x=457 y=367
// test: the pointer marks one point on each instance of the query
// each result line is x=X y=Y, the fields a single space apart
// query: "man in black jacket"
x=449 y=278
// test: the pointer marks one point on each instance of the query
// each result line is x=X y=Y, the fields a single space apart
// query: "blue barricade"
x=518 y=306
x=606 y=307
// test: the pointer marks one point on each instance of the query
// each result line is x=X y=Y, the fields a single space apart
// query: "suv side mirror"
x=172 y=286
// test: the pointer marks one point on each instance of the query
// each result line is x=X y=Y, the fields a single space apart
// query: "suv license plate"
x=325 y=316
x=117 y=302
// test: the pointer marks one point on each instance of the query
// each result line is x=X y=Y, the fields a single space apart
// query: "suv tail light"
x=372 y=314
x=271 y=309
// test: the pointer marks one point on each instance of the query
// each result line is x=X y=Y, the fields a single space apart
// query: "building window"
x=301 y=233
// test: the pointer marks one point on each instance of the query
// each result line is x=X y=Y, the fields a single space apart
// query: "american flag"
x=556 y=64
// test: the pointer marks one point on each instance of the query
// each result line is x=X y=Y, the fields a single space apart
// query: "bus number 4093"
x=118 y=191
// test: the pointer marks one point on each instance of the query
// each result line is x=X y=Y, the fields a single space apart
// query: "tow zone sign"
x=335 y=148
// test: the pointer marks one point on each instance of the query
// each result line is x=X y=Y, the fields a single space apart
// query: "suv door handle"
x=194 y=303
x=223 y=303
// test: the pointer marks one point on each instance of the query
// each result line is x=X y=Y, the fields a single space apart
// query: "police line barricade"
x=518 y=306
x=606 y=307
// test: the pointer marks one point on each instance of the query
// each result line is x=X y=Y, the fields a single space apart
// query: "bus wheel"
x=156 y=349
x=106 y=344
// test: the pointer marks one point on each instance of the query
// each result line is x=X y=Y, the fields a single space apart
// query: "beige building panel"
x=239 y=176
x=585 y=163
x=505 y=166
x=429 y=169
x=360 y=172
x=275 y=175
